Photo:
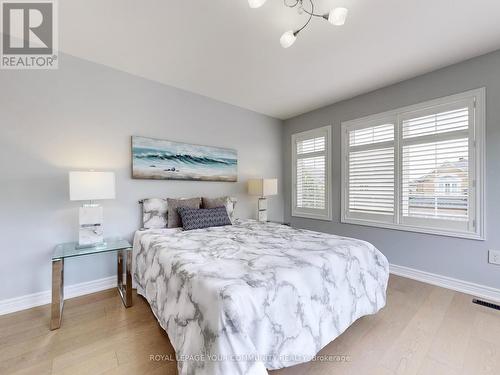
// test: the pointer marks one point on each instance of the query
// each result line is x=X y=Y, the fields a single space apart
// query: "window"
x=418 y=168
x=371 y=171
x=311 y=174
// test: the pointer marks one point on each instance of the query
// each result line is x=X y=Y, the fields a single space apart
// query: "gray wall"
x=82 y=116
x=458 y=258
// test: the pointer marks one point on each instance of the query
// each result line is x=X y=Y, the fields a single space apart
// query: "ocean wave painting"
x=166 y=160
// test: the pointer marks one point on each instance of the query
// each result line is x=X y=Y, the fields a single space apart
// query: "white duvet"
x=243 y=298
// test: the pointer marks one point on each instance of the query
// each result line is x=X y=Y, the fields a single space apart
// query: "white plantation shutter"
x=311 y=174
x=308 y=146
x=371 y=181
x=435 y=166
x=437 y=122
x=370 y=172
x=371 y=134
x=419 y=168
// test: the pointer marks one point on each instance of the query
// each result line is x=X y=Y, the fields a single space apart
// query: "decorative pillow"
x=173 y=218
x=228 y=202
x=203 y=217
x=154 y=213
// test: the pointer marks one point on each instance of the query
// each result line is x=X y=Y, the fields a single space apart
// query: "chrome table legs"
x=125 y=290
x=124 y=286
x=57 y=293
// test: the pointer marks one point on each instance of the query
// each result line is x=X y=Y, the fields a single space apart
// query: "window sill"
x=312 y=216
x=407 y=228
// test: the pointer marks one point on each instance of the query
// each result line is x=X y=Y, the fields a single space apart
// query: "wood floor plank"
x=450 y=343
x=35 y=314
x=43 y=367
x=423 y=330
x=75 y=337
x=487 y=327
x=95 y=363
x=145 y=368
x=408 y=351
x=432 y=367
x=389 y=323
x=483 y=358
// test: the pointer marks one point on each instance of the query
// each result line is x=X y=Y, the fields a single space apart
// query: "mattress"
x=253 y=296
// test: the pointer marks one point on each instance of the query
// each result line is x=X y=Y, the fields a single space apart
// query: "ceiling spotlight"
x=256 y=3
x=288 y=38
x=337 y=16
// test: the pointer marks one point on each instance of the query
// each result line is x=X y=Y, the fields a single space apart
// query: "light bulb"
x=287 y=39
x=337 y=16
x=256 y=3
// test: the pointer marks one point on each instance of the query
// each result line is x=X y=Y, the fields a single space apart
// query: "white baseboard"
x=42 y=298
x=481 y=291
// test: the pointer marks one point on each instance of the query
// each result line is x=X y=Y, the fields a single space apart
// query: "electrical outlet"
x=494 y=257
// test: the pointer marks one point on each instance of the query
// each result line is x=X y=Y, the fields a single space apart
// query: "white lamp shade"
x=89 y=186
x=287 y=39
x=263 y=187
x=256 y=3
x=338 y=16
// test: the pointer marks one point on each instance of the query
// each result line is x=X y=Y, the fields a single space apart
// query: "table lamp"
x=91 y=186
x=262 y=187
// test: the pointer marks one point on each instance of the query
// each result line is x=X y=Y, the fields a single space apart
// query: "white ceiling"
x=225 y=50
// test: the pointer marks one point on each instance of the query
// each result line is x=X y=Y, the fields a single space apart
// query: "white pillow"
x=154 y=213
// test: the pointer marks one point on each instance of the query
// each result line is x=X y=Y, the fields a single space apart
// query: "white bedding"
x=243 y=298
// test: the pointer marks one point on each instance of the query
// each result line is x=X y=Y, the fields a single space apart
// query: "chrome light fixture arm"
x=336 y=16
x=311 y=14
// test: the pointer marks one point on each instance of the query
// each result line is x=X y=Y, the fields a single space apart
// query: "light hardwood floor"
x=423 y=330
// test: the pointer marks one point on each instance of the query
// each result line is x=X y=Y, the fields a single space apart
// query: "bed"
x=252 y=296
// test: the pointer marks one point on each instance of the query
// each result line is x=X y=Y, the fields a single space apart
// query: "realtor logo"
x=29 y=34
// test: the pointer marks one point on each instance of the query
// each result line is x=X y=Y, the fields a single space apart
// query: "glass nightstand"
x=71 y=250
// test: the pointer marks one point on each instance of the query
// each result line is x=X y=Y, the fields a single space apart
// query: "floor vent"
x=486 y=304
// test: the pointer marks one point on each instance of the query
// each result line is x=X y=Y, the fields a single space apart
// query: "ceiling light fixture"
x=256 y=3
x=288 y=38
x=337 y=17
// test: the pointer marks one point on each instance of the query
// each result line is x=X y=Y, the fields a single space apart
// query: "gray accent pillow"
x=173 y=218
x=203 y=218
x=228 y=202
x=154 y=213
